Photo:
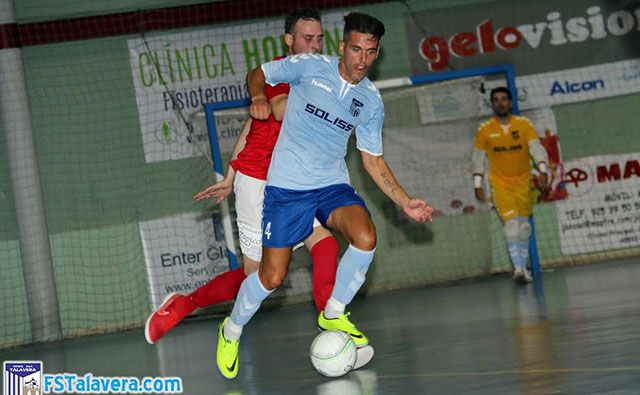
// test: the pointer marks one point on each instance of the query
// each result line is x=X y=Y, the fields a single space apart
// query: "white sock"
x=231 y=330
x=333 y=309
x=351 y=274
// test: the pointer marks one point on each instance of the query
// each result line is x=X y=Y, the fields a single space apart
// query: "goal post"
x=219 y=170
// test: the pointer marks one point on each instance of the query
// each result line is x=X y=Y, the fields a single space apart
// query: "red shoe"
x=172 y=310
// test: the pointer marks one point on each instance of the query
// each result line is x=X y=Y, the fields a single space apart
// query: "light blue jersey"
x=322 y=111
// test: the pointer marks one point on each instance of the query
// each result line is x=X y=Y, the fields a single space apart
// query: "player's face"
x=307 y=37
x=358 y=52
x=500 y=104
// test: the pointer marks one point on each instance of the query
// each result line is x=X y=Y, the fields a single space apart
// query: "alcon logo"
x=322 y=114
x=486 y=39
x=566 y=87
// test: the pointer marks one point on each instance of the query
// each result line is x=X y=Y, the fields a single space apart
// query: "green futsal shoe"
x=343 y=324
x=227 y=354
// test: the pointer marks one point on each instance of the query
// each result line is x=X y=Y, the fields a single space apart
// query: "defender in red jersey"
x=246 y=176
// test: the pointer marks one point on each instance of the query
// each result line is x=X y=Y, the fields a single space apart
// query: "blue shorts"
x=287 y=217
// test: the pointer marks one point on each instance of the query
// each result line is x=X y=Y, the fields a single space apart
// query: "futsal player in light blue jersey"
x=329 y=99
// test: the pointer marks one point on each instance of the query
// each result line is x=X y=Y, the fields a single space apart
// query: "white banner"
x=574 y=85
x=181 y=254
x=174 y=75
x=603 y=211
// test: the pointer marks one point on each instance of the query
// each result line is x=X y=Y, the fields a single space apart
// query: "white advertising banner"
x=181 y=254
x=174 y=75
x=603 y=211
x=574 y=85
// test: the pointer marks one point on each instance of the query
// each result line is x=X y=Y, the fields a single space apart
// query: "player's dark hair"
x=500 y=89
x=306 y=14
x=362 y=23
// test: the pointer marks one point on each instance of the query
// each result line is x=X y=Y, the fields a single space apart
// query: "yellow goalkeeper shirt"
x=507 y=148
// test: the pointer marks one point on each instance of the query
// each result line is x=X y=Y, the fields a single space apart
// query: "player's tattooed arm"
x=382 y=175
x=390 y=183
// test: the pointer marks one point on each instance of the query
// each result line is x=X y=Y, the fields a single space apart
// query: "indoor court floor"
x=577 y=331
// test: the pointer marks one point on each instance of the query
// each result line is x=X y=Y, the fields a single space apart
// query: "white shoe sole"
x=146 y=324
x=365 y=355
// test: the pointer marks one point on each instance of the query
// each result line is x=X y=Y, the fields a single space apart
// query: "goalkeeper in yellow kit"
x=508 y=142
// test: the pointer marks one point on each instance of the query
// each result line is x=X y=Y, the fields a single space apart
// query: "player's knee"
x=272 y=279
x=512 y=229
x=365 y=241
x=524 y=231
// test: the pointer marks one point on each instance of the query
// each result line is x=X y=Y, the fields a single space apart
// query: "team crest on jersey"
x=515 y=134
x=356 y=105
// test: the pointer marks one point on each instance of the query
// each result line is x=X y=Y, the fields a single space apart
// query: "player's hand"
x=543 y=181
x=260 y=108
x=220 y=191
x=479 y=194
x=418 y=210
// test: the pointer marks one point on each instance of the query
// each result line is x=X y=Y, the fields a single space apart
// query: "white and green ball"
x=333 y=353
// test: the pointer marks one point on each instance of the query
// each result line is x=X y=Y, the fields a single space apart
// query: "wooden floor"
x=576 y=331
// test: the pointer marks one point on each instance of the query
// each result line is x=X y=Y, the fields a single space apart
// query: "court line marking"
x=350 y=375
x=512 y=372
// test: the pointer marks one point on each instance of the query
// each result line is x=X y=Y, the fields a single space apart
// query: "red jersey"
x=255 y=157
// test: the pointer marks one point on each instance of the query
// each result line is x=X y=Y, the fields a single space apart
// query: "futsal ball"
x=333 y=353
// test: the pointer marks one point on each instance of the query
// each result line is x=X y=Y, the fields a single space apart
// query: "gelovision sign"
x=593 y=24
